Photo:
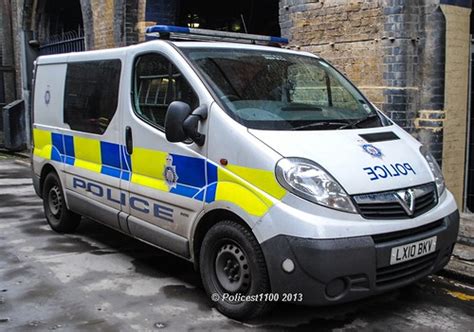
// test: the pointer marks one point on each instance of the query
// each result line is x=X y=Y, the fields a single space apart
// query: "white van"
x=263 y=166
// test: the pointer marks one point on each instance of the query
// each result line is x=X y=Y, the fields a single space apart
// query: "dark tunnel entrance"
x=257 y=17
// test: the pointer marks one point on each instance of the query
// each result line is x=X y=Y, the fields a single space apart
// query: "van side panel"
x=248 y=181
x=49 y=95
x=48 y=99
x=43 y=147
x=78 y=156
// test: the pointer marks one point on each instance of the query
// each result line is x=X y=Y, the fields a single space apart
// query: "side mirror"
x=174 y=119
x=191 y=124
x=181 y=123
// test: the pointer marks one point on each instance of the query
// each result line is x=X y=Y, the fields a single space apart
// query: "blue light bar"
x=184 y=33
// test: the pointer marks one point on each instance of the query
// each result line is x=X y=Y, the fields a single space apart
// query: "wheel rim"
x=232 y=268
x=54 y=201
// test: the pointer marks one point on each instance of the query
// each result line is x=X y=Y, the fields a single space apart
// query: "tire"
x=57 y=214
x=232 y=262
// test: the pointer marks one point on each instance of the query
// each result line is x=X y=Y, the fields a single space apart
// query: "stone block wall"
x=456 y=98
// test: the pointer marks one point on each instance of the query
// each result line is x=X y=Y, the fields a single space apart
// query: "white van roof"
x=103 y=54
x=118 y=53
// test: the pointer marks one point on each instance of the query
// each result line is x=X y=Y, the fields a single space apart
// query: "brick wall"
x=103 y=17
x=456 y=94
x=414 y=69
x=132 y=17
x=111 y=23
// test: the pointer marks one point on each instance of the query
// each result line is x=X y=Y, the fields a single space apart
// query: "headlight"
x=435 y=169
x=310 y=181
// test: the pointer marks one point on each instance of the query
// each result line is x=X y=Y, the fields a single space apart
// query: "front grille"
x=398 y=273
x=395 y=204
x=393 y=236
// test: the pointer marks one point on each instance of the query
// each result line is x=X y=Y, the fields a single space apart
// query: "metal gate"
x=72 y=41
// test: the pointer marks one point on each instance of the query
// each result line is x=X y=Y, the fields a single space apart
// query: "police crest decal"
x=372 y=150
x=170 y=175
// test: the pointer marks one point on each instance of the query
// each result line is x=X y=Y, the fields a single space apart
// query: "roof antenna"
x=243 y=22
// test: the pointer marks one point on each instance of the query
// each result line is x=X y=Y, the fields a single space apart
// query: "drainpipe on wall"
x=28 y=56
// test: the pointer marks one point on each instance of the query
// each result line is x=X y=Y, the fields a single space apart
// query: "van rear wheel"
x=57 y=214
x=232 y=266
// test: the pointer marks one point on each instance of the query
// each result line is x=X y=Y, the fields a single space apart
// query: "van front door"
x=167 y=180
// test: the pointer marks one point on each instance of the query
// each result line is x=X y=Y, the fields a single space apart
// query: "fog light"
x=288 y=266
x=336 y=287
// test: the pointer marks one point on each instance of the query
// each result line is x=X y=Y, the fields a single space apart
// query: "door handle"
x=129 y=140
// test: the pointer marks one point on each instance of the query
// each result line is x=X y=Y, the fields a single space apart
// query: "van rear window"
x=91 y=94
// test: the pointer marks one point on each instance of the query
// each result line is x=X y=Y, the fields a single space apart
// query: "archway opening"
x=59 y=26
x=257 y=17
x=57 y=17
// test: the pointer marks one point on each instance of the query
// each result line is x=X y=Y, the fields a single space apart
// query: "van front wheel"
x=233 y=271
x=57 y=214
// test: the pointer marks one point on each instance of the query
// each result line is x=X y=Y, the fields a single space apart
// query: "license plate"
x=413 y=250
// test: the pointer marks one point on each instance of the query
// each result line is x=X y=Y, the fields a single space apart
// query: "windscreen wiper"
x=321 y=124
x=354 y=124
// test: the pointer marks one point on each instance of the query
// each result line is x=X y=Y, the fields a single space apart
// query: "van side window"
x=157 y=83
x=91 y=94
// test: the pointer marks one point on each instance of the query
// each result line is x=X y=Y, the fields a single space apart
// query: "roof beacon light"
x=182 y=33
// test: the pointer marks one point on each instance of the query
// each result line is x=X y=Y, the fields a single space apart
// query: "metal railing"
x=72 y=41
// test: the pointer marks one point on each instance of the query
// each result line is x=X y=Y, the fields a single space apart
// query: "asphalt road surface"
x=101 y=280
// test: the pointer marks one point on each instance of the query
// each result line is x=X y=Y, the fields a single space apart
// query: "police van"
x=264 y=166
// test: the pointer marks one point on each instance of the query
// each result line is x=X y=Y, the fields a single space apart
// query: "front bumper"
x=341 y=270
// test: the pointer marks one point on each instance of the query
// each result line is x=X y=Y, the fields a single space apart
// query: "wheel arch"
x=45 y=170
x=209 y=219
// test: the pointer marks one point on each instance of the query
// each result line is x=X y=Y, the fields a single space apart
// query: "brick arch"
x=35 y=18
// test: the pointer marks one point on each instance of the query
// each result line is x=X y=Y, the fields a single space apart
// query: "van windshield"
x=282 y=91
